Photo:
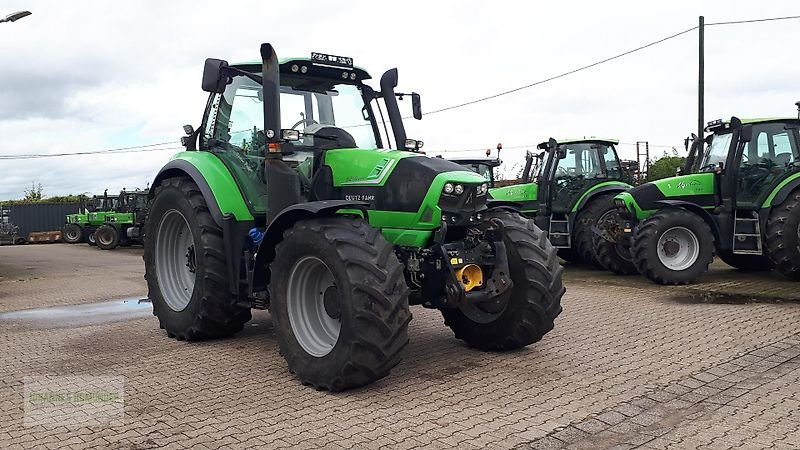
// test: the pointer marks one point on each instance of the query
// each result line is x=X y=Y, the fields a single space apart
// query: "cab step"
x=747 y=233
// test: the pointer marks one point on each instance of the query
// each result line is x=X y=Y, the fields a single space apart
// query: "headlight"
x=459 y=189
x=448 y=188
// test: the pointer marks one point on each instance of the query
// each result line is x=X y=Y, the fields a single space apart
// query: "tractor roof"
x=492 y=162
x=717 y=125
x=286 y=64
x=589 y=139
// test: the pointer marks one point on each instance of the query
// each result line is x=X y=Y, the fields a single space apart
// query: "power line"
x=561 y=75
x=134 y=149
x=733 y=22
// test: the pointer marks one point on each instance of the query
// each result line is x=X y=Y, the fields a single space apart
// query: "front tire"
x=783 y=237
x=106 y=237
x=340 y=303
x=72 y=234
x=529 y=311
x=185 y=266
x=90 y=238
x=611 y=256
x=673 y=246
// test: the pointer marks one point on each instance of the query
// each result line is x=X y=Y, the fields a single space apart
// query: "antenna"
x=798 y=110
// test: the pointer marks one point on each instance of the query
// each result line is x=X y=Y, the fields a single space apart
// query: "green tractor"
x=80 y=226
x=332 y=230
x=122 y=226
x=482 y=166
x=737 y=196
x=566 y=188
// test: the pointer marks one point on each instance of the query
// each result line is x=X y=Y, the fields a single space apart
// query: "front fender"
x=215 y=181
x=285 y=220
x=611 y=187
x=695 y=209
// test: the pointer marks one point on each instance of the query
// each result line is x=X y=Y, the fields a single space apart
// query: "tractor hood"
x=696 y=188
x=401 y=181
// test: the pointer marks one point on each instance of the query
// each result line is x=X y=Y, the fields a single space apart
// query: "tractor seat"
x=783 y=159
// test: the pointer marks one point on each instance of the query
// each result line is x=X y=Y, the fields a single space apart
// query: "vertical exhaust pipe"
x=271 y=92
x=388 y=83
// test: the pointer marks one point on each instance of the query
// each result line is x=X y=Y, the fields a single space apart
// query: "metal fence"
x=40 y=216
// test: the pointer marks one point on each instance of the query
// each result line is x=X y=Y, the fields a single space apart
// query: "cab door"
x=577 y=171
x=764 y=162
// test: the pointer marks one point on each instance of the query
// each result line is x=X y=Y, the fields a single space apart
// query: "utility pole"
x=701 y=78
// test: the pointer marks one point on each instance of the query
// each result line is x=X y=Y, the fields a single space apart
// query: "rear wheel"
x=185 y=266
x=613 y=256
x=747 y=263
x=673 y=246
x=340 y=303
x=584 y=222
x=106 y=237
x=783 y=237
x=72 y=234
x=527 y=313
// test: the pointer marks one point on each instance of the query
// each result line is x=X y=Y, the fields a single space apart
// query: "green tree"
x=664 y=167
x=34 y=194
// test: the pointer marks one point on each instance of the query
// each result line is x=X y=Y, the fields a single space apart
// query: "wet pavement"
x=79 y=315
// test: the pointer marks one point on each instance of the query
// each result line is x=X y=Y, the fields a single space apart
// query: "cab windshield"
x=309 y=108
x=716 y=152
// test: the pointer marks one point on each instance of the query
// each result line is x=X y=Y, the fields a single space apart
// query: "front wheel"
x=613 y=256
x=673 y=246
x=528 y=312
x=72 y=234
x=106 y=237
x=340 y=303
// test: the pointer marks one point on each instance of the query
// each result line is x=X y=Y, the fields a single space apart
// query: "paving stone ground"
x=629 y=364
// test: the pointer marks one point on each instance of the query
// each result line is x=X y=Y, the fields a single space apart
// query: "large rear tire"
x=106 y=237
x=783 y=237
x=529 y=310
x=746 y=263
x=185 y=266
x=614 y=257
x=584 y=222
x=340 y=303
x=673 y=246
x=72 y=233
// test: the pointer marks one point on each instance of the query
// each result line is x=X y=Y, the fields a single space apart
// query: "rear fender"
x=285 y=220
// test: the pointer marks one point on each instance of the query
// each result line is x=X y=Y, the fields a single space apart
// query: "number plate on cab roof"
x=331 y=60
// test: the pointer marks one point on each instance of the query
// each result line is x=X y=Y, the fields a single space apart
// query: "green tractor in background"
x=737 y=197
x=80 y=226
x=122 y=226
x=334 y=232
x=566 y=188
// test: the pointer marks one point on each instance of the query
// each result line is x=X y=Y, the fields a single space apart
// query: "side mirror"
x=188 y=129
x=416 y=106
x=746 y=133
x=213 y=78
x=561 y=152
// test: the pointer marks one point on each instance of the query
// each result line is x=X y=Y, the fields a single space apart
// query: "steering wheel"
x=562 y=172
x=304 y=121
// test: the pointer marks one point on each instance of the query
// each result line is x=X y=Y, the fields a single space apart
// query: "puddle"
x=693 y=298
x=81 y=315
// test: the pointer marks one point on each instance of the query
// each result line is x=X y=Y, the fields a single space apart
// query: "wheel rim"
x=608 y=220
x=314 y=306
x=175 y=260
x=72 y=234
x=92 y=238
x=678 y=248
x=105 y=238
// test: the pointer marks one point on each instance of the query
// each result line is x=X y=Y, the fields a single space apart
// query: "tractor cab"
x=312 y=105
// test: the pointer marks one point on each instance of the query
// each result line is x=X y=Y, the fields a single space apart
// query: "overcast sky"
x=89 y=75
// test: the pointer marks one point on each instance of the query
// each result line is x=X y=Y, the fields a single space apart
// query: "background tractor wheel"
x=185 y=266
x=613 y=257
x=569 y=255
x=72 y=234
x=106 y=237
x=673 y=246
x=90 y=238
x=747 y=263
x=783 y=237
x=340 y=303
x=586 y=219
x=528 y=311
